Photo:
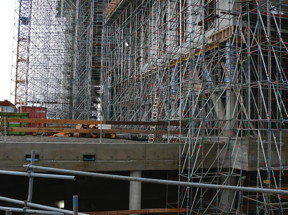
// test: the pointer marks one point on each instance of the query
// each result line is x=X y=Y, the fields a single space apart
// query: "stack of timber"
x=91 y=128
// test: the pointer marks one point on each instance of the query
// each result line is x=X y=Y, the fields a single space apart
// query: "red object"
x=35 y=113
x=6 y=103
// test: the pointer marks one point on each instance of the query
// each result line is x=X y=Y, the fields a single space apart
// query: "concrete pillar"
x=154 y=33
x=172 y=27
x=218 y=106
x=227 y=196
x=8 y=212
x=135 y=192
x=231 y=112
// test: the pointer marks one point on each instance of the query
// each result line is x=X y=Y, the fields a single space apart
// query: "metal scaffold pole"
x=154 y=181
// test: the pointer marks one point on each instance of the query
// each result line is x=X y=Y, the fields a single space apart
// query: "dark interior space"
x=95 y=194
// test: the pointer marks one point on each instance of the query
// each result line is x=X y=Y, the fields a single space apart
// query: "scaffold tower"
x=219 y=68
x=54 y=57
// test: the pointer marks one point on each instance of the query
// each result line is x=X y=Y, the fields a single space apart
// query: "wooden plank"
x=95 y=122
x=161 y=123
x=53 y=121
x=143 y=211
x=111 y=7
x=88 y=131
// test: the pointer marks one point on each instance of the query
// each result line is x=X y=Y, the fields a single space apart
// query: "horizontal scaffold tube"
x=32 y=211
x=159 y=181
x=33 y=205
x=37 y=175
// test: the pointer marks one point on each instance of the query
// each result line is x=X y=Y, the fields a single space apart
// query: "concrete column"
x=171 y=27
x=231 y=112
x=154 y=33
x=8 y=212
x=219 y=107
x=135 y=192
x=227 y=196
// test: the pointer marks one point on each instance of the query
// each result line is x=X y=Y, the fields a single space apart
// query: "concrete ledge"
x=110 y=155
x=239 y=153
x=125 y=155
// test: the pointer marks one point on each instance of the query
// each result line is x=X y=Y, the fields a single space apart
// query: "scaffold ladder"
x=155 y=113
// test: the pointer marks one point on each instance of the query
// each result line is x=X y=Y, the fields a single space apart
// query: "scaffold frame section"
x=217 y=67
x=54 y=57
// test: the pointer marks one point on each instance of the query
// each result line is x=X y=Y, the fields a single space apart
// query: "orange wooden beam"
x=143 y=211
x=95 y=122
x=88 y=131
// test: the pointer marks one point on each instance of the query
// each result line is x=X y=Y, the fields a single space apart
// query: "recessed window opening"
x=28 y=158
x=89 y=157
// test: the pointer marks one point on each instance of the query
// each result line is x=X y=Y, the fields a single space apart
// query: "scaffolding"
x=219 y=68
x=54 y=57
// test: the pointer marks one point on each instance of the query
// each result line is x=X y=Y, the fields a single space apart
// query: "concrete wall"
x=112 y=155
x=124 y=155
